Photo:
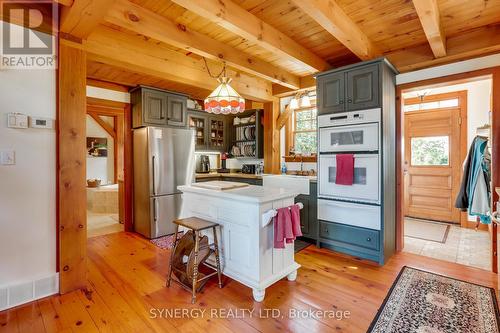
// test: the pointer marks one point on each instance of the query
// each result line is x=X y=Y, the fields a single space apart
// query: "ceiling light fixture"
x=294 y=104
x=305 y=101
x=301 y=99
x=224 y=99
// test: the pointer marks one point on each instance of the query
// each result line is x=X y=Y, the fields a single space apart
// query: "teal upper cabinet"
x=349 y=89
x=177 y=106
x=332 y=93
x=363 y=88
x=155 y=107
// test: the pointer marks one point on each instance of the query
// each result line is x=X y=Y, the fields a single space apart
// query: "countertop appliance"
x=248 y=168
x=163 y=160
x=203 y=164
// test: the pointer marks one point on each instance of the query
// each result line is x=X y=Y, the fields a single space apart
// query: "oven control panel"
x=348 y=118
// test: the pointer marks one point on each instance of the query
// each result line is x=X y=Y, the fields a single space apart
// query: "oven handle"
x=345 y=205
x=356 y=154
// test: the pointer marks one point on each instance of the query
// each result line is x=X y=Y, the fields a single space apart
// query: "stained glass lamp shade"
x=224 y=99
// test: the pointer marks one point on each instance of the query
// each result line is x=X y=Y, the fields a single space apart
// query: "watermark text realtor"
x=28 y=34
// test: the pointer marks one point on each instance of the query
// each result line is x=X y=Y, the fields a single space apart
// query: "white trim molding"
x=449 y=69
x=28 y=291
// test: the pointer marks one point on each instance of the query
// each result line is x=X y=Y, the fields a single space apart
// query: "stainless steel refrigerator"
x=163 y=160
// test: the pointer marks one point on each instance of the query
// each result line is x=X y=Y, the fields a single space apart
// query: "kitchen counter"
x=247 y=248
x=250 y=193
x=228 y=175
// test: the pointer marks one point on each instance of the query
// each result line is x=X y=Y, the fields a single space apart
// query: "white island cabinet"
x=248 y=254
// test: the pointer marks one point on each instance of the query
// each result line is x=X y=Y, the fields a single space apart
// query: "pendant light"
x=224 y=99
x=305 y=101
x=294 y=103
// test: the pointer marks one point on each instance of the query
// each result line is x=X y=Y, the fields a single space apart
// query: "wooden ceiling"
x=271 y=44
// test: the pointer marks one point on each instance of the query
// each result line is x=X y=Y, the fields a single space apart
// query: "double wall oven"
x=356 y=133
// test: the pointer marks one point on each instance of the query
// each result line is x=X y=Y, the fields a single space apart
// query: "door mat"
x=421 y=301
x=426 y=230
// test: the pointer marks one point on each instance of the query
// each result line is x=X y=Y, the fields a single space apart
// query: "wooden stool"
x=196 y=225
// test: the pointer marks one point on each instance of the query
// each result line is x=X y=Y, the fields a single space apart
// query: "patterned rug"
x=166 y=242
x=424 y=302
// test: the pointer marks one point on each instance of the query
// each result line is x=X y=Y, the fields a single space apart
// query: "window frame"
x=291 y=131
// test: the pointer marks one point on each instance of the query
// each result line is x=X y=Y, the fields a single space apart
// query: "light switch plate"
x=7 y=157
x=17 y=120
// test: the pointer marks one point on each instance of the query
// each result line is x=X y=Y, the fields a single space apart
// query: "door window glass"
x=346 y=138
x=430 y=150
x=359 y=175
x=447 y=103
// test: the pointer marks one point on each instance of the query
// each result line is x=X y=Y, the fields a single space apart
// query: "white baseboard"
x=17 y=294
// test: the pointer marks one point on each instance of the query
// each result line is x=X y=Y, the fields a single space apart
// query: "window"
x=448 y=103
x=304 y=130
x=430 y=150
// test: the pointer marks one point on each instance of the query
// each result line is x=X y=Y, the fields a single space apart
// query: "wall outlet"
x=7 y=157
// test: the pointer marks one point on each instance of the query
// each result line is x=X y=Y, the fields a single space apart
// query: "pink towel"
x=295 y=212
x=279 y=228
x=286 y=226
x=345 y=169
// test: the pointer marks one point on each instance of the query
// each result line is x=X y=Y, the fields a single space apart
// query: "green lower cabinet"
x=308 y=214
x=355 y=241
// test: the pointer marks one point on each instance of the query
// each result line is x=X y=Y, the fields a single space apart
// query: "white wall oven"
x=365 y=187
x=354 y=133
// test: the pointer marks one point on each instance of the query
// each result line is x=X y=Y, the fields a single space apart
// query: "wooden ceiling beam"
x=83 y=16
x=236 y=19
x=428 y=13
x=134 y=53
x=306 y=83
x=333 y=19
x=145 y=22
x=475 y=43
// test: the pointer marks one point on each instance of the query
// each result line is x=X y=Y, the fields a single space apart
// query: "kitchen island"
x=247 y=252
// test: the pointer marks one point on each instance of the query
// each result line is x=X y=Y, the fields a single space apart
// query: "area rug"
x=426 y=230
x=166 y=242
x=424 y=302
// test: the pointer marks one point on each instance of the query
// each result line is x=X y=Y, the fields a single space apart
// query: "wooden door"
x=432 y=165
x=331 y=93
x=363 y=88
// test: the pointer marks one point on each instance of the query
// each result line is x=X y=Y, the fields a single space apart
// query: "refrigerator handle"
x=155 y=217
x=154 y=174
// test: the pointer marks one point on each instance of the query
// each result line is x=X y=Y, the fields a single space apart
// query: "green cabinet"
x=308 y=214
x=211 y=130
x=349 y=89
x=155 y=107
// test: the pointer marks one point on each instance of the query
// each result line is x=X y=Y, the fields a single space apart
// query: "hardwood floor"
x=126 y=278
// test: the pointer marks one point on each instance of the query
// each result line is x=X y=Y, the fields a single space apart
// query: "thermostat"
x=17 y=120
x=39 y=122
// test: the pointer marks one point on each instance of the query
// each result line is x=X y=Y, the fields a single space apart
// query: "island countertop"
x=250 y=193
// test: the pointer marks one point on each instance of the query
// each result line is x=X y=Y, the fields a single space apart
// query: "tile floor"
x=464 y=246
x=102 y=224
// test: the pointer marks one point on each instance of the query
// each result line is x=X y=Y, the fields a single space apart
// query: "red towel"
x=286 y=226
x=295 y=212
x=280 y=222
x=345 y=169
